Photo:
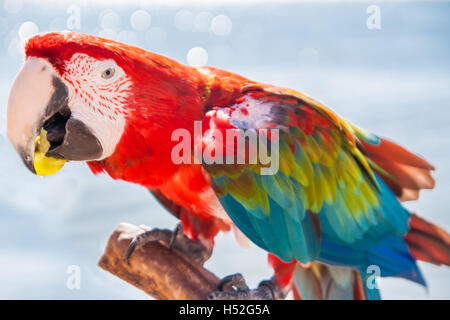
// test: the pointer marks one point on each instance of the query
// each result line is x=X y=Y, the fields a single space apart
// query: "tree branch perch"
x=155 y=269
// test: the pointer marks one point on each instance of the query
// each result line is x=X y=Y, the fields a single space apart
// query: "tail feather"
x=283 y=270
x=358 y=289
x=317 y=281
x=403 y=171
x=428 y=242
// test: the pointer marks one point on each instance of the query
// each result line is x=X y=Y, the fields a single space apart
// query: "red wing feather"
x=404 y=172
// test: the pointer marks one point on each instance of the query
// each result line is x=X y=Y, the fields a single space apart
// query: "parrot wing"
x=404 y=172
x=325 y=202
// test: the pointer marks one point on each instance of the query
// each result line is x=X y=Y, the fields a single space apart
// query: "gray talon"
x=130 y=250
x=176 y=234
x=143 y=238
x=234 y=288
x=174 y=240
x=276 y=292
x=232 y=283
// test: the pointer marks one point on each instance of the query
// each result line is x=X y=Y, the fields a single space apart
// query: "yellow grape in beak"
x=44 y=165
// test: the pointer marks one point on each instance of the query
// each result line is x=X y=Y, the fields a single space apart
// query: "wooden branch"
x=155 y=269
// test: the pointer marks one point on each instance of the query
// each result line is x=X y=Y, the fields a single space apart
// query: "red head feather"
x=166 y=95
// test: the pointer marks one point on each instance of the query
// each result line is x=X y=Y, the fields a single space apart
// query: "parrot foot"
x=234 y=287
x=175 y=240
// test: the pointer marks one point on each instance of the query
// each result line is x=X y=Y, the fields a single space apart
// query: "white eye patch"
x=98 y=95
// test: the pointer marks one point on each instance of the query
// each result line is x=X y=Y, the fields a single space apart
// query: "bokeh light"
x=221 y=25
x=13 y=6
x=110 y=20
x=28 y=29
x=197 y=56
x=184 y=20
x=202 y=21
x=128 y=36
x=140 y=20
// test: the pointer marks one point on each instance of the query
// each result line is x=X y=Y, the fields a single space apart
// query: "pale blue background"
x=394 y=81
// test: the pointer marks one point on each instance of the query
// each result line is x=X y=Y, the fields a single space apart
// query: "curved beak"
x=39 y=100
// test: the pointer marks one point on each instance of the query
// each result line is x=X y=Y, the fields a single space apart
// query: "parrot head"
x=79 y=97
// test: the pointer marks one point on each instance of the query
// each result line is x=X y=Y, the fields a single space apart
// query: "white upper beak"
x=28 y=102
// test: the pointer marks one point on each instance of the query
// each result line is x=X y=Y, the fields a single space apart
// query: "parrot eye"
x=108 y=73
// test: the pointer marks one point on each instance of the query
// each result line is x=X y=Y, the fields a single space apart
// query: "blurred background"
x=382 y=65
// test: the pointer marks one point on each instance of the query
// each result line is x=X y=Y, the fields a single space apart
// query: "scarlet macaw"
x=334 y=200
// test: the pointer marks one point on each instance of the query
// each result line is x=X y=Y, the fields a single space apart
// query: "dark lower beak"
x=39 y=100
